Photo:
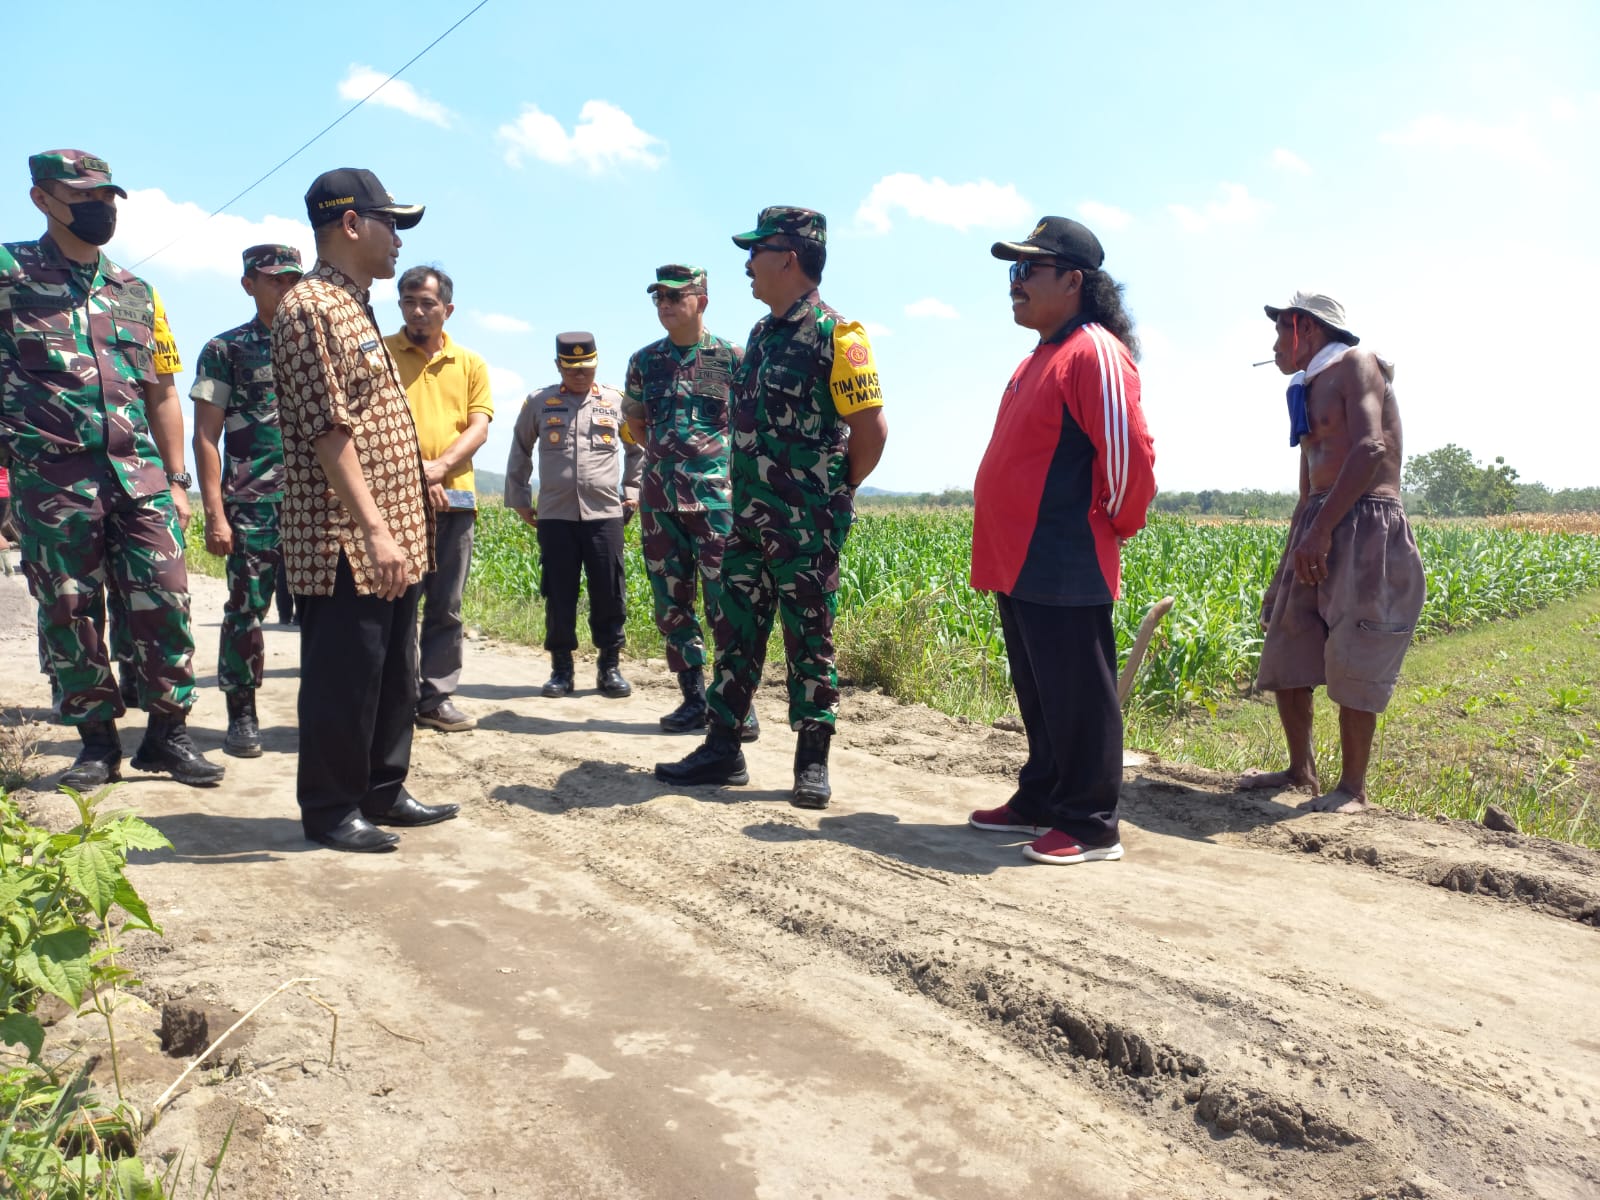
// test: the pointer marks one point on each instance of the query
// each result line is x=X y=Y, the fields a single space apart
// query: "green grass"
x=1504 y=714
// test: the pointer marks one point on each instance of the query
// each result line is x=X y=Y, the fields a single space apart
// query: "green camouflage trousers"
x=106 y=600
x=74 y=546
x=791 y=572
x=677 y=546
x=252 y=568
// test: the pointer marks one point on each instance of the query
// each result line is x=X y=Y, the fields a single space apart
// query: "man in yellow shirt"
x=447 y=386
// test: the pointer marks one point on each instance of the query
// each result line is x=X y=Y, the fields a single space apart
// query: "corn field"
x=909 y=622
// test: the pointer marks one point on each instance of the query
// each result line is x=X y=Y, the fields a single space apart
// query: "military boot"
x=811 y=788
x=691 y=714
x=609 y=676
x=100 y=760
x=717 y=760
x=560 y=682
x=750 y=731
x=244 y=734
x=127 y=687
x=168 y=747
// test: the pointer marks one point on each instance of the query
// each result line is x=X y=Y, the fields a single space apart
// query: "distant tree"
x=1451 y=484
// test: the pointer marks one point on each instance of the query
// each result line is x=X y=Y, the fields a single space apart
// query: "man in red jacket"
x=1065 y=481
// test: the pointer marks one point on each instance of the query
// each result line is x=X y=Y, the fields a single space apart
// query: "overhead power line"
x=311 y=141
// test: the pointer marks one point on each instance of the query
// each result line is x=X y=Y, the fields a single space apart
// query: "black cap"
x=576 y=349
x=355 y=189
x=1056 y=237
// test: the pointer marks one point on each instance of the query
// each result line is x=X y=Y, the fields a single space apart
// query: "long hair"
x=1102 y=302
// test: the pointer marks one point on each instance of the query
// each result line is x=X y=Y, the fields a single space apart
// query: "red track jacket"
x=1069 y=472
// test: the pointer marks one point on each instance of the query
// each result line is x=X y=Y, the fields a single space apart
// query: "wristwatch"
x=182 y=478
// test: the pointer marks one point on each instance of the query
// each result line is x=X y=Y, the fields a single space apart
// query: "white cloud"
x=930 y=306
x=1236 y=207
x=506 y=386
x=874 y=330
x=1510 y=142
x=604 y=136
x=1104 y=216
x=149 y=219
x=501 y=322
x=1562 y=109
x=361 y=79
x=1288 y=160
x=958 y=205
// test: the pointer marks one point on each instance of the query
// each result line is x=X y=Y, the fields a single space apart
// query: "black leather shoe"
x=811 y=787
x=244 y=735
x=717 y=760
x=609 y=677
x=356 y=835
x=560 y=682
x=168 y=747
x=100 y=760
x=750 y=731
x=409 y=811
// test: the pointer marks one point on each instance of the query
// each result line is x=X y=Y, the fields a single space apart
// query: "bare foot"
x=1255 y=778
x=1337 y=801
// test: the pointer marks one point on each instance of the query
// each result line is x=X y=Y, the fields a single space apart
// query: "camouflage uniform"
x=792 y=503
x=91 y=494
x=234 y=374
x=685 y=513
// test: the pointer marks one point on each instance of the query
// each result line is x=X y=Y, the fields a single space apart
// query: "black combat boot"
x=609 y=676
x=127 y=687
x=168 y=747
x=100 y=760
x=560 y=682
x=750 y=731
x=244 y=734
x=691 y=714
x=717 y=760
x=811 y=788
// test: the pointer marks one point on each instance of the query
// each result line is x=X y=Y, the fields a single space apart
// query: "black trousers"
x=595 y=548
x=1064 y=670
x=358 y=695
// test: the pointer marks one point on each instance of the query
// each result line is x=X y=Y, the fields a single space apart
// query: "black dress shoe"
x=357 y=835
x=408 y=810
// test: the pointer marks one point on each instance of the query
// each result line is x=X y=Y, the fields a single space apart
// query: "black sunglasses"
x=760 y=246
x=384 y=219
x=1025 y=267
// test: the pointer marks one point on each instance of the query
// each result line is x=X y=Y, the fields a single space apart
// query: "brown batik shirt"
x=333 y=372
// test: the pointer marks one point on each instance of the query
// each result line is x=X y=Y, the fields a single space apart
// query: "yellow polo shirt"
x=443 y=392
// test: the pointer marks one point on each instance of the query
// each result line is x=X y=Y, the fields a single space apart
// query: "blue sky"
x=1432 y=165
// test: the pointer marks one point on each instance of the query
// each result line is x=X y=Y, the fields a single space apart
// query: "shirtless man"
x=1347 y=593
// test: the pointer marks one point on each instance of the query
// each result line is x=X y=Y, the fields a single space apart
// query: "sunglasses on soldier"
x=760 y=246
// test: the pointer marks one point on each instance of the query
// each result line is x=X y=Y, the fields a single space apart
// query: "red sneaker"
x=1062 y=848
x=1004 y=820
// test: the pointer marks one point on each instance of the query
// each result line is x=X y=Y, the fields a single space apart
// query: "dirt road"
x=588 y=986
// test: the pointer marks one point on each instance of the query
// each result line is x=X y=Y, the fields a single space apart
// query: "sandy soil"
x=589 y=985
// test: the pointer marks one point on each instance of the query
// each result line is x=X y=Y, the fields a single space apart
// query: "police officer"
x=234 y=400
x=96 y=450
x=808 y=427
x=577 y=430
x=677 y=408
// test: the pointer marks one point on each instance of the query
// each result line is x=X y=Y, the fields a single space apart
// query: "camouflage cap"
x=78 y=169
x=576 y=350
x=674 y=276
x=804 y=223
x=273 y=259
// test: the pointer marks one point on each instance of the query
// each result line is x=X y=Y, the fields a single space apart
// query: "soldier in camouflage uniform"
x=87 y=429
x=808 y=427
x=234 y=400
x=676 y=405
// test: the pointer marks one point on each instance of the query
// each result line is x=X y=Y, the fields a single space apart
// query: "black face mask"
x=94 y=221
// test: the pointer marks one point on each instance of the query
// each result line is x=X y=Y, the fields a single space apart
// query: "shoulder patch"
x=854 y=379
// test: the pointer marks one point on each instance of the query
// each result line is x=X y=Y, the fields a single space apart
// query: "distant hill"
x=489 y=483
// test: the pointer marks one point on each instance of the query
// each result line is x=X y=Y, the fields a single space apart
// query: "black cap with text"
x=355 y=189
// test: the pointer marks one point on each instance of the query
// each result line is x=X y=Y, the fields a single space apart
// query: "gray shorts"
x=1352 y=630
